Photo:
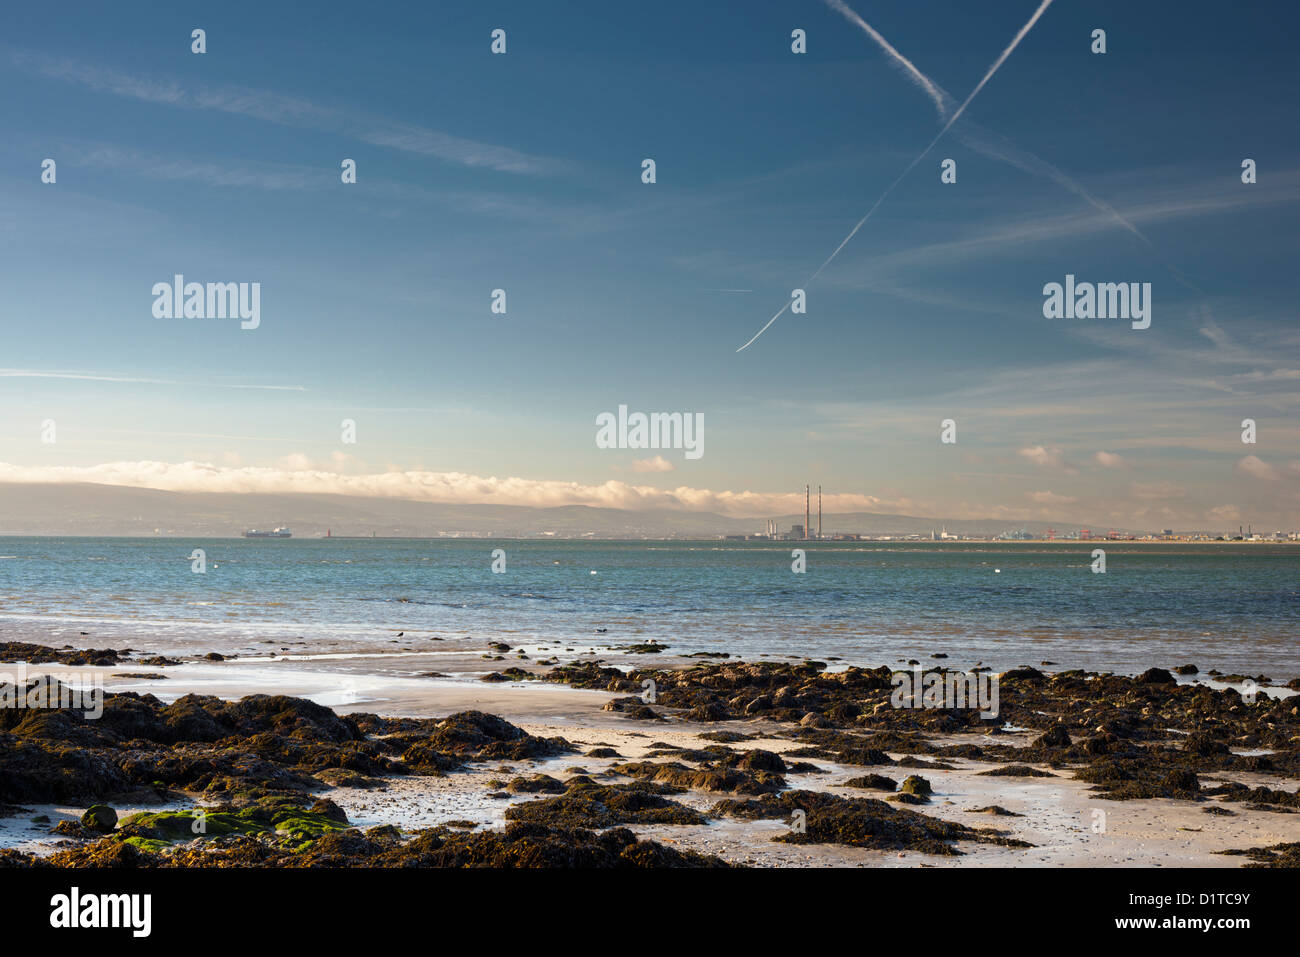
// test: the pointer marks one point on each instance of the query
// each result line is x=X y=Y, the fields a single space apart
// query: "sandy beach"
x=1065 y=822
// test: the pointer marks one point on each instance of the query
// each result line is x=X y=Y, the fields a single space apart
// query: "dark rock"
x=874 y=782
x=1155 y=676
x=914 y=784
x=1055 y=737
x=99 y=817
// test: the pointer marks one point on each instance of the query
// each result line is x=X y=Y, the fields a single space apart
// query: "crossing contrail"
x=999 y=147
x=973 y=135
x=925 y=83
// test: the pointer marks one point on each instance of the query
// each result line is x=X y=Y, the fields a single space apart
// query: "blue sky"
x=522 y=172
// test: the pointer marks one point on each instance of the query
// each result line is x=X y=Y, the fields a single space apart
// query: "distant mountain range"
x=88 y=509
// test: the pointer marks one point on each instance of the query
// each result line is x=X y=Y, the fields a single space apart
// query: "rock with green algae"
x=520 y=844
x=915 y=784
x=280 y=818
x=99 y=817
x=906 y=797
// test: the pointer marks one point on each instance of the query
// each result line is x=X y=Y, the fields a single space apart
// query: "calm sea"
x=1235 y=608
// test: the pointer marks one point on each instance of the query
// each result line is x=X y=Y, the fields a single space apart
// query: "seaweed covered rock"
x=238 y=750
x=537 y=784
x=914 y=784
x=1205 y=744
x=873 y=782
x=1055 y=737
x=43 y=654
x=1260 y=798
x=330 y=811
x=521 y=844
x=285 y=819
x=746 y=773
x=99 y=817
x=1016 y=771
x=587 y=805
x=1123 y=779
x=481 y=735
x=724 y=692
x=1155 y=676
x=859 y=822
x=436 y=747
x=1022 y=675
x=759 y=760
x=1279 y=855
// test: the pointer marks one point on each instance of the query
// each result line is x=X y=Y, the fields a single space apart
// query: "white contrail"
x=995 y=145
x=986 y=142
x=935 y=92
x=1015 y=41
x=973 y=135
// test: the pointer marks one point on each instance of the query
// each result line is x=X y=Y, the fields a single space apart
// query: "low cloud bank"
x=440 y=487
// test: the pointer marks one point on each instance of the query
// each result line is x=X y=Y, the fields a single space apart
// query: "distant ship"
x=281 y=532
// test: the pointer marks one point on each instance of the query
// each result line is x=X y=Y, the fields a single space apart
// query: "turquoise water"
x=1235 y=608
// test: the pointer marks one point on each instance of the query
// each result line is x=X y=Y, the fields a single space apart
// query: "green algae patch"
x=172 y=826
x=147 y=844
x=292 y=824
x=305 y=825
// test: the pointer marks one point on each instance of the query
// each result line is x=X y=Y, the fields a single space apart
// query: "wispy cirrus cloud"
x=289 y=110
x=261 y=176
x=1159 y=491
x=1007 y=237
x=137 y=380
x=274 y=177
x=1052 y=498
